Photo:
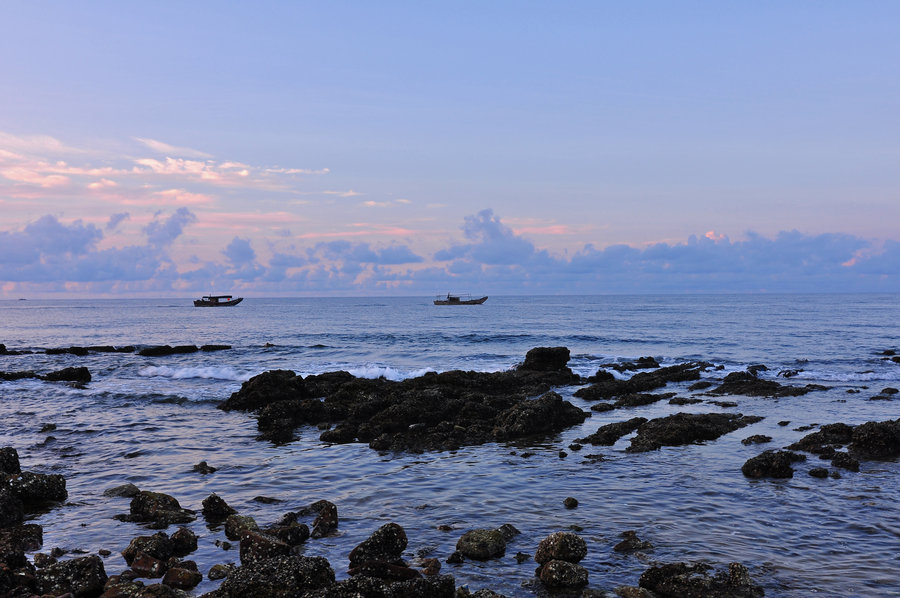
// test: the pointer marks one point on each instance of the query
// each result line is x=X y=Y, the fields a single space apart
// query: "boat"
x=216 y=301
x=462 y=299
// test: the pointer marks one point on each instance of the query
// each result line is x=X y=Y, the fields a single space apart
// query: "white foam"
x=380 y=371
x=205 y=373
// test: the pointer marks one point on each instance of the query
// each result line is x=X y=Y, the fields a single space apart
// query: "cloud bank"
x=48 y=255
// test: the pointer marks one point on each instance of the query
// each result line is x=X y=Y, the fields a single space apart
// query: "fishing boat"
x=216 y=301
x=462 y=299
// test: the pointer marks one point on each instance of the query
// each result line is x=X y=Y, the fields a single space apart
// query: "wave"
x=381 y=371
x=202 y=372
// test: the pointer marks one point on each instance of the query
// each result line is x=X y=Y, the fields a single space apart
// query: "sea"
x=149 y=420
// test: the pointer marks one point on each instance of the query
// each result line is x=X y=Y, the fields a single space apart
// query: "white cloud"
x=171 y=150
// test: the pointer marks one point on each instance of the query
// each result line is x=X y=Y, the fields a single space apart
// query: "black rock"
x=772 y=464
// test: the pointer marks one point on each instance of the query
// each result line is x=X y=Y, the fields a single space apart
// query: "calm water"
x=149 y=420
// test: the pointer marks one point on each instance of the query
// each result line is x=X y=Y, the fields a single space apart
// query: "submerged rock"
x=608 y=435
x=80 y=374
x=158 y=509
x=688 y=581
x=771 y=464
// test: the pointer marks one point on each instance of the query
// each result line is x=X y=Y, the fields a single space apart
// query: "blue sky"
x=293 y=148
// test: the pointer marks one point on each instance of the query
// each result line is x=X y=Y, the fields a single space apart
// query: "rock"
x=830 y=436
x=845 y=461
x=327 y=520
x=562 y=574
x=747 y=384
x=145 y=565
x=217 y=572
x=163 y=350
x=35 y=488
x=546 y=414
x=12 y=512
x=204 y=468
x=570 y=502
x=608 y=435
x=158 y=546
x=818 y=472
x=686 y=428
x=156 y=508
x=258 y=546
x=876 y=440
x=772 y=464
x=684 y=580
x=293 y=534
x=642 y=381
x=209 y=348
x=9 y=461
x=215 y=509
x=80 y=375
x=631 y=543
x=125 y=491
x=546 y=359
x=561 y=546
x=482 y=544
x=263 y=389
x=16 y=540
x=184 y=542
x=236 y=525
x=279 y=577
x=638 y=399
x=756 y=439
x=386 y=544
x=84 y=577
x=182 y=579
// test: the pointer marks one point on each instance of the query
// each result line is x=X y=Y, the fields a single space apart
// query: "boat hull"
x=202 y=303
x=478 y=301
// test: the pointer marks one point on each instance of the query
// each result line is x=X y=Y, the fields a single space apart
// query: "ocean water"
x=148 y=420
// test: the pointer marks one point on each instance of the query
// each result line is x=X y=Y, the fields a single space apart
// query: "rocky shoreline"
x=434 y=412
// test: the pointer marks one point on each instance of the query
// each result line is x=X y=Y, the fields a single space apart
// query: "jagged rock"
x=9 y=461
x=756 y=439
x=236 y=525
x=12 y=511
x=845 y=461
x=747 y=384
x=561 y=546
x=482 y=544
x=265 y=388
x=689 y=581
x=546 y=359
x=686 y=428
x=830 y=436
x=544 y=415
x=608 y=435
x=643 y=381
x=84 y=577
x=35 y=488
x=215 y=509
x=80 y=374
x=257 y=546
x=181 y=578
x=771 y=464
x=184 y=542
x=876 y=440
x=158 y=509
x=562 y=574
x=327 y=519
x=158 y=546
x=279 y=577
x=386 y=544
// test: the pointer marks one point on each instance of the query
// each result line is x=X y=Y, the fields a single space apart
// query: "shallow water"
x=149 y=420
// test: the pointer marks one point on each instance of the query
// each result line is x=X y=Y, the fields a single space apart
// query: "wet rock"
x=608 y=435
x=16 y=540
x=163 y=350
x=181 y=578
x=209 y=348
x=84 y=577
x=158 y=546
x=215 y=509
x=818 y=472
x=145 y=565
x=204 y=468
x=546 y=359
x=217 y=572
x=876 y=440
x=602 y=407
x=12 y=511
x=562 y=575
x=561 y=546
x=257 y=546
x=772 y=464
x=482 y=544
x=642 y=381
x=685 y=401
x=845 y=461
x=702 y=385
x=293 y=534
x=631 y=543
x=80 y=351
x=830 y=436
x=386 y=544
x=184 y=542
x=756 y=439
x=158 y=509
x=546 y=414
x=124 y=491
x=570 y=502
x=41 y=560
x=431 y=566
x=685 y=580
x=326 y=522
x=9 y=461
x=686 y=428
x=724 y=404
x=236 y=525
x=279 y=577
x=80 y=374
x=747 y=384
x=263 y=389
x=35 y=488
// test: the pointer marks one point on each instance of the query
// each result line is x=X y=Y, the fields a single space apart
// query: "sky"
x=415 y=148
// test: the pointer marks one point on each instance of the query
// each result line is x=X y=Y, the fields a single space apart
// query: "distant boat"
x=216 y=301
x=464 y=299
